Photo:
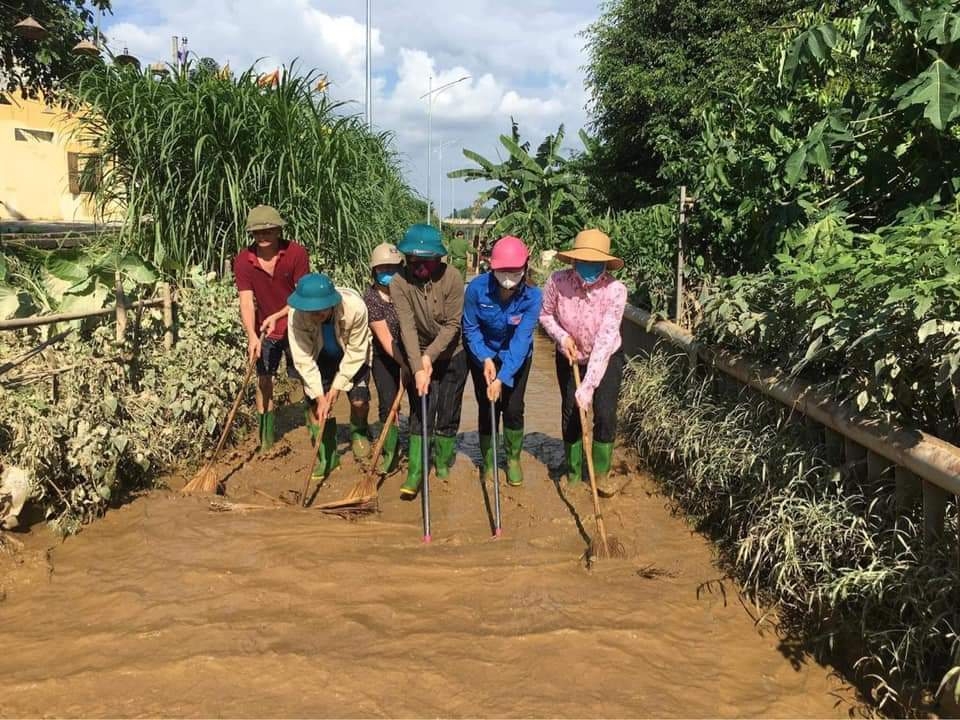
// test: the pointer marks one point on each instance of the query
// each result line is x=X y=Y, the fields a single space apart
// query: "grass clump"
x=829 y=551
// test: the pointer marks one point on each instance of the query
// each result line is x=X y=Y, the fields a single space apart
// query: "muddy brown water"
x=167 y=608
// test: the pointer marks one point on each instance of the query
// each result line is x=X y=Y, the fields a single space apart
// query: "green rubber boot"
x=513 y=440
x=328 y=445
x=266 y=431
x=359 y=436
x=319 y=471
x=390 y=456
x=602 y=461
x=414 y=468
x=574 y=452
x=444 y=453
x=486 y=455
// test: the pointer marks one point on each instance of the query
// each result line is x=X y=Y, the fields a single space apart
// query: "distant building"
x=41 y=165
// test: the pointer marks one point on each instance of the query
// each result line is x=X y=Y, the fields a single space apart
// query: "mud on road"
x=168 y=608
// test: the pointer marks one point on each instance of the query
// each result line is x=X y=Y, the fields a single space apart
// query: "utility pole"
x=368 y=101
x=686 y=203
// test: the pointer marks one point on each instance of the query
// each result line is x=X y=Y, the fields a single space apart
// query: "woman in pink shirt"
x=582 y=311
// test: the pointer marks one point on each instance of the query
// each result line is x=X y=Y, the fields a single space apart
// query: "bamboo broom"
x=208 y=480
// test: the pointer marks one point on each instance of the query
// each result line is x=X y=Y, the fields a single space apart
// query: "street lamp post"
x=431 y=91
x=440 y=203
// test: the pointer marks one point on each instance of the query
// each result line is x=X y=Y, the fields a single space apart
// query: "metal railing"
x=920 y=464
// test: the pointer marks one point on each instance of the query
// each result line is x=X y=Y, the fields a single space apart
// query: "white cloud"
x=524 y=59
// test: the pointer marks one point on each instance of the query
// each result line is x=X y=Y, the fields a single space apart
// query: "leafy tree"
x=38 y=66
x=539 y=197
x=654 y=65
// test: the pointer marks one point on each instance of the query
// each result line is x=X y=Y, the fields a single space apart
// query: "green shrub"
x=871 y=317
x=114 y=427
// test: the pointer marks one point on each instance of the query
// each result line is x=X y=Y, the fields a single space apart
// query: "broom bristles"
x=205 y=481
x=614 y=549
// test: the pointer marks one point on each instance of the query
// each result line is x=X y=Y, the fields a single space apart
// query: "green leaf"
x=110 y=405
x=923 y=305
x=68 y=265
x=937 y=89
x=794 y=166
x=927 y=329
x=940 y=25
x=904 y=11
x=820 y=322
x=135 y=269
x=863 y=399
x=9 y=301
x=93 y=300
x=3 y=267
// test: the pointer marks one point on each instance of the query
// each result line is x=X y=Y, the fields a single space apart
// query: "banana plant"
x=540 y=197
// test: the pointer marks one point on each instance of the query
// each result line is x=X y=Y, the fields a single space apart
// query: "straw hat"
x=593 y=246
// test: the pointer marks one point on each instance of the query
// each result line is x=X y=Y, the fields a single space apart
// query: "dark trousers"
x=444 y=400
x=386 y=377
x=510 y=403
x=605 y=399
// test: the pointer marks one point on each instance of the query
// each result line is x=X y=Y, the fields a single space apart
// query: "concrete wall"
x=34 y=178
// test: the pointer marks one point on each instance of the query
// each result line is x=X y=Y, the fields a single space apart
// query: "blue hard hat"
x=314 y=292
x=422 y=241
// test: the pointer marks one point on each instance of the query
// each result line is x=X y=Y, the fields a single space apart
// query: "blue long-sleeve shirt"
x=494 y=330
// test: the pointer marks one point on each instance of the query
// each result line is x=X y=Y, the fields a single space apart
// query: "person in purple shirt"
x=500 y=313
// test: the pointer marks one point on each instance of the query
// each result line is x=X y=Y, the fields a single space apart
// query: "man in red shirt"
x=266 y=273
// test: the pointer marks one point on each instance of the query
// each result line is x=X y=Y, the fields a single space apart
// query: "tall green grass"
x=828 y=550
x=187 y=156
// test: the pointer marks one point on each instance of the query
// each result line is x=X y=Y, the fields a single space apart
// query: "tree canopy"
x=653 y=66
x=36 y=67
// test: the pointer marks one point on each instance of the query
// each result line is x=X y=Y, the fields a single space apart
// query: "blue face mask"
x=384 y=277
x=589 y=272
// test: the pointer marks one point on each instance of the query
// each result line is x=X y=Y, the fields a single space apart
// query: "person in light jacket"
x=500 y=313
x=330 y=344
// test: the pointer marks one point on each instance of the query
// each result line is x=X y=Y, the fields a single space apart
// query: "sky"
x=525 y=60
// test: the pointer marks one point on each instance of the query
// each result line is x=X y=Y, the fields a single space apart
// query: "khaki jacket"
x=429 y=314
x=353 y=334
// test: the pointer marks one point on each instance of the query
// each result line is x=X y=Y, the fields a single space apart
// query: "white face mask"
x=508 y=280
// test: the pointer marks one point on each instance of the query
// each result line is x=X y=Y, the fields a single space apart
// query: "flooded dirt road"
x=167 y=608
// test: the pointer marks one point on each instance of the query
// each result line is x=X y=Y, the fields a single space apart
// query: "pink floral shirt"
x=591 y=315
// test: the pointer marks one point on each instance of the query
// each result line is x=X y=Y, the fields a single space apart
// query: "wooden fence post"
x=121 y=310
x=833 y=446
x=934 y=510
x=877 y=466
x=168 y=338
x=855 y=457
x=907 y=488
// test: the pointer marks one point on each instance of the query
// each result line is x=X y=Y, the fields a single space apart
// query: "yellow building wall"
x=34 y=175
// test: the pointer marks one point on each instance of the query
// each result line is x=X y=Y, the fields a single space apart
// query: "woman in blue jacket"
x=500 y=313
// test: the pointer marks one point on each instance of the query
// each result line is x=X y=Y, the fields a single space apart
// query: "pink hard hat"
x=508 y=252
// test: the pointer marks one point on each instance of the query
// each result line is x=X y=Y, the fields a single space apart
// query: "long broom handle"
x=587 y=432
x=496 y=473
x=236 y=405
x=425 y=495
x=391 y=418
